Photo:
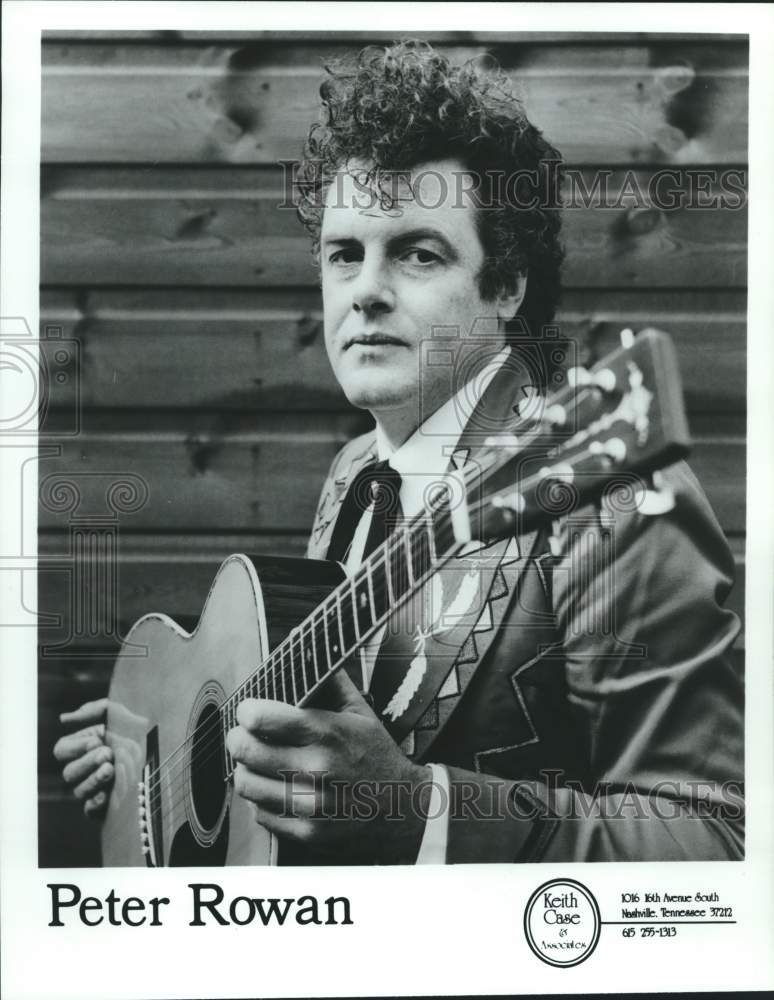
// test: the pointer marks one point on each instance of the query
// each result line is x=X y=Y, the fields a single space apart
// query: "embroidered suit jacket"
x=592 y=711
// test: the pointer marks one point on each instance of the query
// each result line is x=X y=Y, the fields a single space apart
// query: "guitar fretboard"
x=348 y=617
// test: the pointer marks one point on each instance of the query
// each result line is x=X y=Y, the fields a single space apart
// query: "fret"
x=344 y=647
x=307 y=658
x=292 y=669
x=380 y=596
x=420 y=550
x=326 y=647
x=443 y=535
x=427 y=519
x=388 y=574
x=277 y=655
x=400 y=583
x=321 y=662
x=333 y=634
x=368 y=570
x=296 y=666
x=273 y=679
x=407 y=551
x=348 y=620
x=365 y=621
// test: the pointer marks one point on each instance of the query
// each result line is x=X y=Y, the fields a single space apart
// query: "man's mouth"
x=373 y=340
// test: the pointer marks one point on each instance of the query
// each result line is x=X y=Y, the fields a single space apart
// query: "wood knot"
x=639 y=221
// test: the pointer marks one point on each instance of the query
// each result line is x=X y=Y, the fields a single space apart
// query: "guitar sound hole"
x=208 y=787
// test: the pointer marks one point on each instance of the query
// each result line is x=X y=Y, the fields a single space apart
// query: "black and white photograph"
x=389 y=470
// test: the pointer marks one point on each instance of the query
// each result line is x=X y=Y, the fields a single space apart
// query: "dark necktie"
x=377 y=484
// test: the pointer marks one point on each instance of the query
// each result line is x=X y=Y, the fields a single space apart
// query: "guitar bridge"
x=149 y=803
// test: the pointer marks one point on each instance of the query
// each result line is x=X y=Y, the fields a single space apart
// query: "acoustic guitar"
x=278 y=628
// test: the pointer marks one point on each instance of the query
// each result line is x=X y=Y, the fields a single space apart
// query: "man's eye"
x=347 y=255
x=419 y=255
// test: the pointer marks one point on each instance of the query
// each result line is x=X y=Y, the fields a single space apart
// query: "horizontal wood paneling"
x=223 y=227
x=264 y=350
x=208 y=478
x=269 y=478
x=170 y=573
x=253 y=103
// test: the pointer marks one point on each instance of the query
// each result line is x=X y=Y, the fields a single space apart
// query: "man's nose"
x=372 y=293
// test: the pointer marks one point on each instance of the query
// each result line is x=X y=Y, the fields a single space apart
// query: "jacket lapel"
x=453 y=655
x=357 y=454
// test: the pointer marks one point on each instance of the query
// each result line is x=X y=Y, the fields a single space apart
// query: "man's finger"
x=88 y=713
x=289 y=798
x=339 y=694
x=96 y=805
x=95 y=782
x=262 y=757
x=77 y=744
x=276 y=722
x=78 y=769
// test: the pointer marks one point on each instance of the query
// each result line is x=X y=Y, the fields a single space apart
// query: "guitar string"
x=569 y=397
x=262 y=677
x=218 y=746
x=261 y=680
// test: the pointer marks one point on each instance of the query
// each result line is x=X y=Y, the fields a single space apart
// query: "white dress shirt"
x=421 y=461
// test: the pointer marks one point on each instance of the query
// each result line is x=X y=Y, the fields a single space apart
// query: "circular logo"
x=562 y=922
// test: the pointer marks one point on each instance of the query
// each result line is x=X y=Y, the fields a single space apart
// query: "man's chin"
x=375 y=395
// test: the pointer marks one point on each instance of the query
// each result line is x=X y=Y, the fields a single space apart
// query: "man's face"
x=389 y=275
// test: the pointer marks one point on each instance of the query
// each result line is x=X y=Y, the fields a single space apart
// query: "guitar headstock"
x=610 y=427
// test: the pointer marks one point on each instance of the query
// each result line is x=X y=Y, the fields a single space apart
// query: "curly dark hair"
x=404 y=105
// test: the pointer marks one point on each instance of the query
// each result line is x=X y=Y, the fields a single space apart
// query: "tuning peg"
x=578 y=376
x=627 y=338
x=614 y=448
x=556 y=415
x=604 y=380
x=656 y=501
x=562 y=470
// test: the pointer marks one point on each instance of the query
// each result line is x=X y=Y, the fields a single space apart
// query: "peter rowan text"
x=209 y=907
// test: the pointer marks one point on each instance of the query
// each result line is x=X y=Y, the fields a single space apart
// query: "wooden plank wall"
x=192 y=299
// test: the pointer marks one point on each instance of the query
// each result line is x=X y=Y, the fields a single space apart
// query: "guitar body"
x=163 y=704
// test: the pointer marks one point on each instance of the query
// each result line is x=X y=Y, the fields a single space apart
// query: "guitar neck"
x=349 y=616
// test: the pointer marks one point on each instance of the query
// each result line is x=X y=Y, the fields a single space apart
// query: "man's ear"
x=508 y=304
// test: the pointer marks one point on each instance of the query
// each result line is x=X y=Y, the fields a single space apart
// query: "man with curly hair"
x=515 y=721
